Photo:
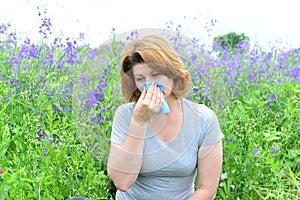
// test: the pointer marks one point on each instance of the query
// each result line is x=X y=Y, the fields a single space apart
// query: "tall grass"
x=57 y=102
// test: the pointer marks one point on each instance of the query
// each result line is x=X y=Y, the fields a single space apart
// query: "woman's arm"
x=209 y=170
x=124 y=161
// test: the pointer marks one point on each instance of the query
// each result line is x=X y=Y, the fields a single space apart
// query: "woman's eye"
x=138 y=79
x=155 y=75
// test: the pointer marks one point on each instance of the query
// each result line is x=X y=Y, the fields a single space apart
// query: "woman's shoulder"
x=125 y=107
x=196 y=108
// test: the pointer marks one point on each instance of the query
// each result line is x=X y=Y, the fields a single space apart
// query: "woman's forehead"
x=142 y=68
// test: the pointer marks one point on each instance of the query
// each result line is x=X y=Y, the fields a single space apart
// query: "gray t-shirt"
x=169 y=168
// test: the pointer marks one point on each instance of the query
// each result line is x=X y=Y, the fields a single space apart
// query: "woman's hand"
x=149 y=104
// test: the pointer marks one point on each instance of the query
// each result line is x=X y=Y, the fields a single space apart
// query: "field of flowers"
x=57 y=102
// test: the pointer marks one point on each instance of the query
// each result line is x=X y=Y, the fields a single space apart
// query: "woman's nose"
x=150 y=79
x=147 y=79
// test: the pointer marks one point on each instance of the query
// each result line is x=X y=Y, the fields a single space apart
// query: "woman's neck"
x=174 y=104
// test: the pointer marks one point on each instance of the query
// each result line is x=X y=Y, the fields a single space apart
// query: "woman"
x=156 y=155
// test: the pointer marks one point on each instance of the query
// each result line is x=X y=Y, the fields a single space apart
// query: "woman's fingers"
x=156 y=101
x=143 y=94
x=154 y=95
x=150 y=101
x=149 y=95
x=159 y=99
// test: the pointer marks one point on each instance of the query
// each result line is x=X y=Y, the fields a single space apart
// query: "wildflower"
x=39 y=128
x=255 y=151
x=43 y=135
x=295 y=73
x=103 y=110
x=224 y=176
x=81 y=36
x=99 y=118
x=69 y=110
x=273 y=96
x=252 y=77
x=92 y=54
x=51 y=139
x=196 y=89
x=56 y=110
x=232 y=139
x=91 y=100
x=204 y=94
x=84 y=79
x=272 y=148
x=1 y=170
x=269 y=102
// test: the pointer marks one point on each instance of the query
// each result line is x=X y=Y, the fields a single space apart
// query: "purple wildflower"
x=196 y=89
x=45 y=153
x=85 y=79
x=204 y=94
x=92 y=54
x=295 y=73
x=51 y=139
x=272 y=148
x=43 y=135
x=70 y=110
x=273 y=96
x=98 y=118
x=273 y=155
x=256 y=150
x=269 y=102
x=103 y=111
x=252 y=77
x=93 y=98
x=56 y=110
x=81 y=36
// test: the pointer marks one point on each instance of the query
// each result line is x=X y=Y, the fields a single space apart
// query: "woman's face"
x=143 y=73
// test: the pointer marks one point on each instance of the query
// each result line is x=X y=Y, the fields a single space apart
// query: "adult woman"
x=154 y=155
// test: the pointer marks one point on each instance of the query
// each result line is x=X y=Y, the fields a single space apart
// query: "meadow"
x=57 y=102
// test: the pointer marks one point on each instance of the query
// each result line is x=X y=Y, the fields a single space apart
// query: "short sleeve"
x=121 y=123
x=210 y=128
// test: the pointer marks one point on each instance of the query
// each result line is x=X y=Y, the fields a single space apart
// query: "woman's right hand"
x=149 y=104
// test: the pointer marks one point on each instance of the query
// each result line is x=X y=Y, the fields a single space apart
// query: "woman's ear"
x=178 y=85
